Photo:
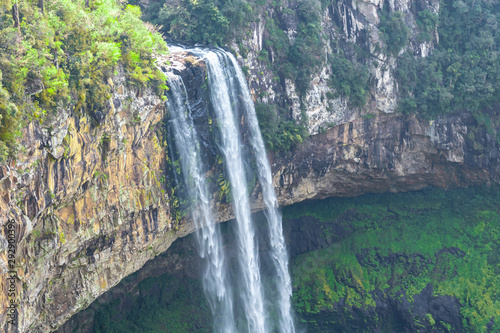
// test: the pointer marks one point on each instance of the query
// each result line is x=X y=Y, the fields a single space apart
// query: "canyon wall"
x=88 y=193
x=344 y=24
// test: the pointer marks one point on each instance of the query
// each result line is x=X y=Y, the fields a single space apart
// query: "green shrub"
x=394 y=31
x=307 y=49
x=350 y=80
x=278 y=134
x=427 y=22
x=202 y=21
x=63 y=58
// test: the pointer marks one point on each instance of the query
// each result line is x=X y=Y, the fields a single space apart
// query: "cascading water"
x=229 y=94
x=222 y=95
x=216 y=287
x=273 y=215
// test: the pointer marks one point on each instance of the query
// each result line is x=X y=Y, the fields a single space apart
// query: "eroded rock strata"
x=91 y=207
x=89 y=193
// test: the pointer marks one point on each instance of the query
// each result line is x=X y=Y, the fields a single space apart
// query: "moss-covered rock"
x=416 y=261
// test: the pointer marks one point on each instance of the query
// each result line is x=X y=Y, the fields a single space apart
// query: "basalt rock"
x=388 y=153
x=91 y=207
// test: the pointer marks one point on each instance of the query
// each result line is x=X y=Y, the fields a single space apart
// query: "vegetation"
x=62 y=57
x=217 y=21
x=278 y=134
x=398 y=244
x=394 y=31
x=350 y=80
x=427 y=22
x=160 y=304
x=201 y=21
x=306 y=52
x=463 y=71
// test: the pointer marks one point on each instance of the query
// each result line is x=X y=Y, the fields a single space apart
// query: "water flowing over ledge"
x=217 y=289
x=229 y=96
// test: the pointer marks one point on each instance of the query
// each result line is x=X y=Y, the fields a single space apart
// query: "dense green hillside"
x=401 y=251
x=60 y=54
x=463 y=72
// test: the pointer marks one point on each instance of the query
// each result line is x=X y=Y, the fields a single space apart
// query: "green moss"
x=160 y=304
x=62 y=238
x=399 y=244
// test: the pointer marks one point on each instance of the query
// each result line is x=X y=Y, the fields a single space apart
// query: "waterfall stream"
x=216 y=287
x=231 y=102
x=278 y=247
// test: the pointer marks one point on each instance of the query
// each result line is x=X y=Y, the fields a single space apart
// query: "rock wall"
x=90 y=206
x=388 y=153
x=343 y=23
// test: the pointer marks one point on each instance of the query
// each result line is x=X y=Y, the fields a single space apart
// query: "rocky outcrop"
x=90 y=204
x=343 y=24
x=388 y=153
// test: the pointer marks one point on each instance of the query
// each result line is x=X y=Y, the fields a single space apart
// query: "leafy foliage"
x=305 y=53
x=63 y=57
x=350 y=80
x=279 y=135
x=394 y=31
x=400 y=243
x=427 y=22
x=463 y=72
x=200 y=21
x=297 y=60
x=217 y=21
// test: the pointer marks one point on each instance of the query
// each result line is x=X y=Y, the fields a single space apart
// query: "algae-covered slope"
x=423 y=260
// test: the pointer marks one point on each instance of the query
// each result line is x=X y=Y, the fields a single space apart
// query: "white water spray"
x=216 y=287
x=278 y=248
x=222 y=95
x=228 y=91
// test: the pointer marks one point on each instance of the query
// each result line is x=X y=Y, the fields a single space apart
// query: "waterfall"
x=223 y=98
x=215 y=284
x=278 y=248
x=229 y=97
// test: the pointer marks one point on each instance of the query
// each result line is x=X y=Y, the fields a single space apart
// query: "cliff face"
x=94 y=209
x=88 y=206
x=388 y=153
x=89 y=201
x=343 y=24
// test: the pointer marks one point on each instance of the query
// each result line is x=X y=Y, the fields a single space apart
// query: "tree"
x=15 y=15
x=40 y=5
